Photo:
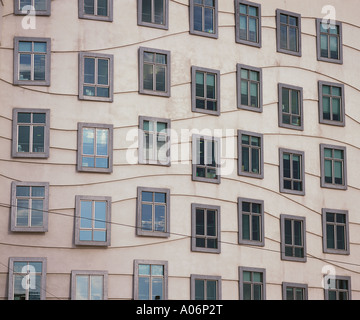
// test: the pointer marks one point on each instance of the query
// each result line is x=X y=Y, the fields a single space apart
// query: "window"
x=154 y=141
x=204 y=18
x=206 y=231
x=29 y=206
x=41 y=7
x=288 y=32
x=331 y=103
x=92 y=220
x=153 y=212
x=329 y=41
x=290 y=107
x=95 y=147
x=251 y=221
x=292 y=172
x=96 y=9
x=32 y=61
x=89 y=285
x=250 y=154
x=154 y=72
x=333 y=167
x=205 y=287
x=153 y=13
x=252 y=283
x=248 y=23
x=293 y=244
x=27 y=279
x=294 y=291
x=335 y=225
x=337 y=288
x=206 y=159
x=31 y=133
x=150 y=280
x=249 y=88
x=96 y=76
x=205 y=85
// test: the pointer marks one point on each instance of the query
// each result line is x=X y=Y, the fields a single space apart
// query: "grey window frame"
x=281 y=171
x=18 y=11
x=167 y=143
x=83 y=15
x=45 y=82
x=217 y=140
x=103 y=273
x=12 y=260
x=241 y=281
x=136 y=276
x=14 y=146
x=322 y=167
x=282 y=86
x=237 y=23
x=194 y=277
x=286 y=285
x=139 y=231
x=342 y=104
x=78 y=200
x=164 y=26
x=345 y=251
x=259 y=175
x=318 y=43
x=167 y=92
x=284 y=217
x=97 y=56
x=214 y=35
x=45 y=211
x=335 y=278
x=242 y=241
x=80 y=167
x=194 y=70
x=238 y=88
x=194 y=248
x=278 y=33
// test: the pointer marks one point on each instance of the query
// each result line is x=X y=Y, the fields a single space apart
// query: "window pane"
x=296 y=167
x=25 y=67
x=245 y=227
x=38 y=139
x=88 y=141
x=338 y=154
x=100 y=214
x=102 y=9
x=25 y=46
x=328 y=171
x=210 y=83
x=334 y=48
x=253 y=29
x=324 y=45
x=22 y=191
x=257 y=292
x=336 y=109
x=326 y=108
x=39 y=117
x=199 y=289
x=102 y=92
x=24 y=117
x=160 y=78
x=286 y=166
x=209 y=20
x=89 y=70
x=297 y=233
x=289 y=293
x=22 y=213
x=200 y=227
x=256 y=228
x=338 y=168
x=243 y=27
x=86 y=216
x=103 y=71
x=211 y=223
x=19 y=290
x=295 y=102
x=211 y=290
x=40 y=47
x=146 y=217
x=157 y=288
x=147 y=196
x=244 y=93
x=285 y=100
x=96 y=287
x=99 y=235
x=283 y=37
x=144 y=288
x=82 y=285
x=148 y=77
x=40 y=5
x=200 y=84
x=37 y=213
x=340 y=237
x=293 y=39
x=86 y=235
x=198 y=18
x=328 y=153
x=159 y=11
x=157 y=270
x=89 y=91
x=23 y=139
x=288 y=232
x=89 y=6
x=102 y=142
x=253 y=11
x=144 y=269
x=160 y=218
x=255 y=160
x=254 y=89
x=247 y=291
x=146 y=10
x=88 y=162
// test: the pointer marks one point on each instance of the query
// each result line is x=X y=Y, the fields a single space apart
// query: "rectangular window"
x=335 y=227
x=96 y=10
x=292 y=172
x=31 y=133
x=95 y=147
x=206 y=231
x=96 y=76
x=290 y=107
x=329 y=41
x=250 y=154
x=89 y=285
x=41 y=7
x=150 y=280
x=204 y=18
x=27 y=279
x=252 y=283
x=248 y=23
x=206 y=159
x=205 y=287
x=153 y=212
x=205 y=87
x=249 y=88
x=294 y=291
x=333 y=167
x=293 y=244
x=32 y=61
x=153 y=13
x=288 y=32
x=337 y=287
x=92 y=220
x=331 y=103
x=154 y=141
x=154 y=72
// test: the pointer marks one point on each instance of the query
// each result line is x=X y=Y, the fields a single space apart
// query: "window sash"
x=100 y=85
x=294 y=238
x=157 y=14
x=334 y=168
x=206 y=158
x=204 y=17
x=158 y=218
x=287 y=38
x=155 y=74
x=206 y=289
x=289 y=176
x=154 y=141
x=206 y=231
x=247 y=22
x=149 y=284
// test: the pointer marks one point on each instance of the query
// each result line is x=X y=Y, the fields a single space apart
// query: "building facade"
x=188 y=149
